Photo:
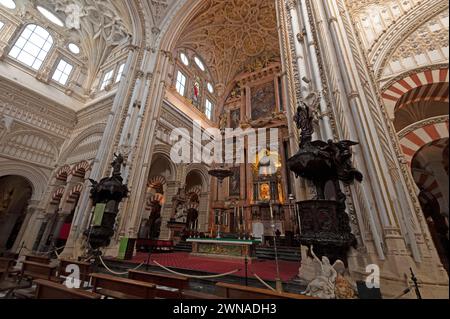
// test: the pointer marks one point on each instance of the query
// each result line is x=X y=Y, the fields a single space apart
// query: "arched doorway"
x=15 y=193
x=430 y=171
x=418 y=105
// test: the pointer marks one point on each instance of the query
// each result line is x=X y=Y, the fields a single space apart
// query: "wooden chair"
x=122 y=288
x=167 y=286
x=51 y=290
x=231 y=291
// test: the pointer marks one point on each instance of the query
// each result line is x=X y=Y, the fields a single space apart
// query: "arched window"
x=194 y=81
x=32 y=46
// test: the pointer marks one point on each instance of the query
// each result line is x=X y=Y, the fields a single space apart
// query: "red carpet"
x=266 y=269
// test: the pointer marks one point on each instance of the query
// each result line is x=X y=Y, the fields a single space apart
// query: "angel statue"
x=323 y=286
x=117 y=164
x=223 y=122
x=305 y=122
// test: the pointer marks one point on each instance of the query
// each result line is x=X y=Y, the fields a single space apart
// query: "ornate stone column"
x=166 y=213
x=26 y=230
x=105 y=151
x=383 y=202
x=203 y=212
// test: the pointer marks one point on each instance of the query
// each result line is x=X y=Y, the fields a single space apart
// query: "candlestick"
x=271 y=211
x=244 y=221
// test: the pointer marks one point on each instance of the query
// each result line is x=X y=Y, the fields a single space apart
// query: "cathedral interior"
x=350 y=95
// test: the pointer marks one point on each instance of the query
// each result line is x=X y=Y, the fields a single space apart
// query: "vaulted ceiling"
x=231 y=34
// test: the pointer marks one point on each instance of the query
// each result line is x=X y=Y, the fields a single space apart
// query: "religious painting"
x=235 y=118
x=264 y=192
x=263 y=101
x=235 y=182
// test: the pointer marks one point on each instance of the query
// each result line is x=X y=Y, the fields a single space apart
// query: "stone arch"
x=395 y=90
x=57 y=195
x=163 y=151
x=35 y=176
x=80 y=169
x=18 y=143
x=417 y=138
x=63 y=173
x=203 y=173
x=75 y=192
x=93 y=130
x=400 y=30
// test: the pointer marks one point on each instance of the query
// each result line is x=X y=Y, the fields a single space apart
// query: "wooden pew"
x=122 y=288
x=196 y=295
x=232 y=291
x=38 y=259
x=162 y=282
x=31 y=271
x=35 y=270
x=51 y=290
x=6 y=265
x=85 y=269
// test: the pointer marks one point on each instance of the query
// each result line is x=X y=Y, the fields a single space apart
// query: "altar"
x=223 y=247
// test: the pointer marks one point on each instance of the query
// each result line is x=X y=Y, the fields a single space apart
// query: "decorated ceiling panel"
x=374 y=17
x=429 y=44
x=232 y=34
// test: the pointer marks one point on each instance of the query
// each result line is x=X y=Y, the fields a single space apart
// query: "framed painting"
x=263 y=101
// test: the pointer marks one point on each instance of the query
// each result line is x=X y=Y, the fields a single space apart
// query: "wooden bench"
x=38 y=259
x=168 y=286
x=122 y=288
x=231 y=291
x=85 y=269
x=51 y=290
x=35 y=270
x=6 y=265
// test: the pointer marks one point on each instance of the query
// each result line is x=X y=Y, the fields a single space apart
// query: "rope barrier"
x=115 y=272
x=264 y=283
x=196 y=277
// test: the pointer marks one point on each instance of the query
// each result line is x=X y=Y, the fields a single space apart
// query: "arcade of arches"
x=125 y=75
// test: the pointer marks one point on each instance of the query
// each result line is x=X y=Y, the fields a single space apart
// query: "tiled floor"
x=266 y=269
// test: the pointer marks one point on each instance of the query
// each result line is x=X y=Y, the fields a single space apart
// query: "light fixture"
x=75 y=49
x=199 y=63
x=50 y=16
x=10 y=4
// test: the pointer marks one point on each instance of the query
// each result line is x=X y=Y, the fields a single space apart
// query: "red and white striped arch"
x=396 y=91
x=428 y=183
x=57 y=195
x=75 y=192
x=412 y=142
x=154 y=198
x=80 y=169
x=63 y=173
